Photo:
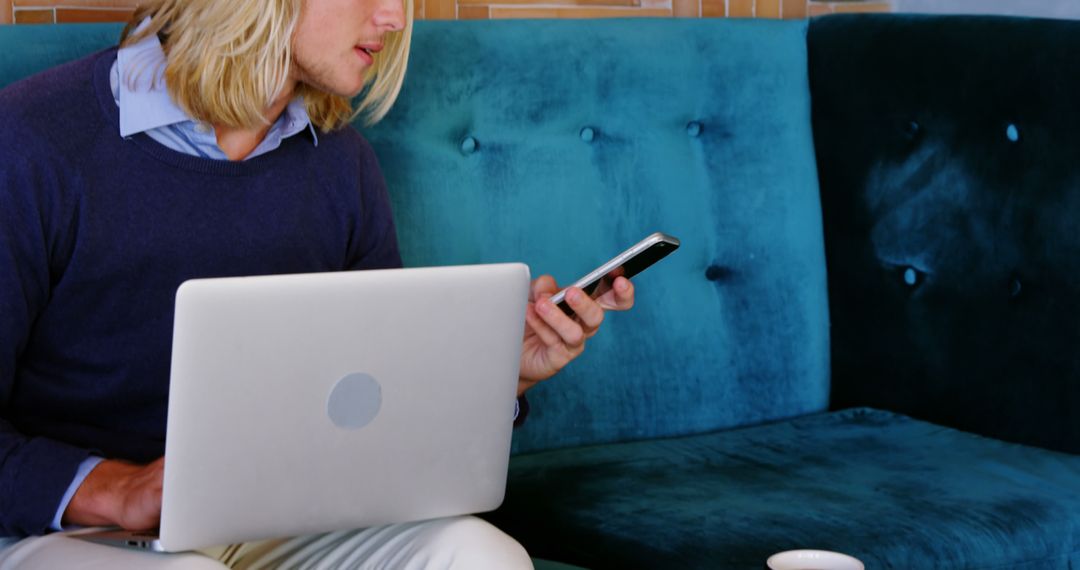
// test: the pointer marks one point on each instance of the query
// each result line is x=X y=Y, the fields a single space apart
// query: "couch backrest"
x=948 y=152
x=25 y=50
x=561 y=143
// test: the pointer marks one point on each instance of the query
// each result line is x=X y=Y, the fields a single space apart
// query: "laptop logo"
x=354 y=401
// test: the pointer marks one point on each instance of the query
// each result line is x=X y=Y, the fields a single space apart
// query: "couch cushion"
x=948 y=156
x=893 y=491
x=698 y=128
x=26 y=50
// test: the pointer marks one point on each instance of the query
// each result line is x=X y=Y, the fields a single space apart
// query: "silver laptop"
x=308 y=403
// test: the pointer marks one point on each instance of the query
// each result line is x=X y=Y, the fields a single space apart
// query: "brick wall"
x=61 y=11
x=483 y=9
x=54 y=11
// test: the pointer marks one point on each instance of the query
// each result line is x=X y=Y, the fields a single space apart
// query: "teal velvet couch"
x=867 y=341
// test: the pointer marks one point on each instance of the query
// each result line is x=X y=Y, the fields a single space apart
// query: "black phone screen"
x=630 y=268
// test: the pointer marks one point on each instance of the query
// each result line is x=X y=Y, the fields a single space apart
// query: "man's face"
x=335 y=39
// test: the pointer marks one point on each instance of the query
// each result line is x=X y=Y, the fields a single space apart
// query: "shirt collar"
x=296 y=119
x=144 y=101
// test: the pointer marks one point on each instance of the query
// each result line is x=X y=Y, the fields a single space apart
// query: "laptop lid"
x=308 y=403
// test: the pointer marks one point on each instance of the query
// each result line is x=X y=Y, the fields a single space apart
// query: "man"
x=215 y=142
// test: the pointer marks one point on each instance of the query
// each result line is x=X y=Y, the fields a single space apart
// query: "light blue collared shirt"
x=138 y=87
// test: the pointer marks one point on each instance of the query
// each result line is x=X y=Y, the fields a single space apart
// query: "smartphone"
x=627 y=264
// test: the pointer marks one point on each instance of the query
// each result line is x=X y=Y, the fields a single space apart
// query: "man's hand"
x=117 y=493
x=553 y=339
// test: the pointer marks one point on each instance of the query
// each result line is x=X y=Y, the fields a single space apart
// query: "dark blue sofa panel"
x=893 y=491
x=949 y=157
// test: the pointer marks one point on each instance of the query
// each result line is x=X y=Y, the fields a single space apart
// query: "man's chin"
x=347 y=91
x=352 y=94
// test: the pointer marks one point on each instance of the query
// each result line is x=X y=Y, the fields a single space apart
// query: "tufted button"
x=693 y=128
x=469 y=145
x=912 y=130
x=911 y=277
x=716 y=273
x=588 y=134
x=1015 y=287
x=1012 y=133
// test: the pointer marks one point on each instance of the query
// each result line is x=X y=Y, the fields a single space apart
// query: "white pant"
x=459 y=543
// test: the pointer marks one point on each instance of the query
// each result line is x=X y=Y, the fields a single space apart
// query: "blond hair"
x=227 y=61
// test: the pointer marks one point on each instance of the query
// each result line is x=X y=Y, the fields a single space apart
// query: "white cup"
x=812 y=560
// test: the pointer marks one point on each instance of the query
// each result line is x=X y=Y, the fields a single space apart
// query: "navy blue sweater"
x=96 y=234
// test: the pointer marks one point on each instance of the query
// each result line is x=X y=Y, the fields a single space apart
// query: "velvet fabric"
x=561 y=143
x=948 y=150
x=26 y=50
x=890 y=490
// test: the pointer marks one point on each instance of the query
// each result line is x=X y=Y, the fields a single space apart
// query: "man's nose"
x=390 y=15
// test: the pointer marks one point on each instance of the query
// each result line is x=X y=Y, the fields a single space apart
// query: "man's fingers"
x=569 y=331
x=624 y=294
x=588 y=311
x=543 y=286
x=620 y=297
x=547 y=335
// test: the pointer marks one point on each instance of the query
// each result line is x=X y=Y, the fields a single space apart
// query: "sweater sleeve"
x=375 y=244
x=34 y=471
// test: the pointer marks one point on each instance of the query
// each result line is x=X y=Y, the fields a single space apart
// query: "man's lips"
x=367 y=51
